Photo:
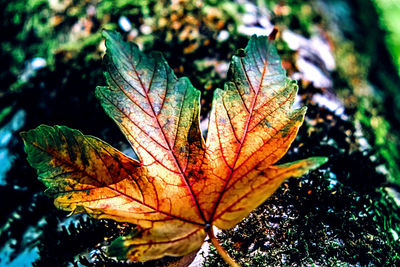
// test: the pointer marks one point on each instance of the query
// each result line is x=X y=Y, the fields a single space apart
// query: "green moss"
x=389 y=11
x=381 y=136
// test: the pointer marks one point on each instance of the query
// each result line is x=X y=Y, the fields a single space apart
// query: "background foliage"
x=346 y=63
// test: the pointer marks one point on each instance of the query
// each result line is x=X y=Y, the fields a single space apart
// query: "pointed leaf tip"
x=273 y=34
x=315 y=162
x=305 y=165
x=114 y=40
x=108 y=34
x=23 y=135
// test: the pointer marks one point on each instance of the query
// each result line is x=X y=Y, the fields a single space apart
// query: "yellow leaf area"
x=181 y=185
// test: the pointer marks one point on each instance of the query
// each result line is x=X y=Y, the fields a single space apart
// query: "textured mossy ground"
x=340 y=214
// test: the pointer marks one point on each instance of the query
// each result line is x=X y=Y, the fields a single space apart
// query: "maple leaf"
x=181 y=185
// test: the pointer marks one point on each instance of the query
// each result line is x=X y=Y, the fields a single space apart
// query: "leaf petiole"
x=221 y=251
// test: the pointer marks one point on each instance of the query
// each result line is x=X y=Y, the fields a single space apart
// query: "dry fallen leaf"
x=181 y=186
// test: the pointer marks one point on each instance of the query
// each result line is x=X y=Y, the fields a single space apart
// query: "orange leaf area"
x=181 y=185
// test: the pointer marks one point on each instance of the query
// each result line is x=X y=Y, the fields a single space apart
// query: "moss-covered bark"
x=339 y=215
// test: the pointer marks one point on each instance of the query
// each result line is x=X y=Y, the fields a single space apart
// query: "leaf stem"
x=221 y=251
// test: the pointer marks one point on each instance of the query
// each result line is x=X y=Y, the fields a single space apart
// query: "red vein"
x=273 y=111
x=113 y=189
x=160 y=211
x=123 y=78
x=121 y=165
x=241 y=97
x=271 y=136
x=134 y=123
x=169 y=146
x=243 y=137
x=230 y=121
x=250 y=169
x=151 y=79
x=148 y=152
x=127 y=95
x=252 y=189
x=262 y=146
x=220 y=143
x=179 y=119
x=165 y=91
